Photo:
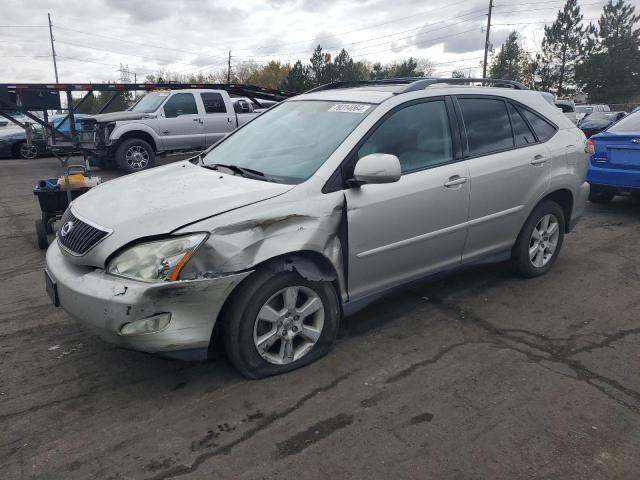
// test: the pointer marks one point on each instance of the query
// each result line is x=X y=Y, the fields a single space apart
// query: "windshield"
x=291 y=141
x=629 y=124
x=150 y=102
x=584 y=109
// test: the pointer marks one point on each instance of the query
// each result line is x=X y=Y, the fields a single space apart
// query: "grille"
x=81 y=237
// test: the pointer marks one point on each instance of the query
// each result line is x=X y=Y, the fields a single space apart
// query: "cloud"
x=327 y=40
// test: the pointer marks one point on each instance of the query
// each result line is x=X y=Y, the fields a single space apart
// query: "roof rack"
x=414 y=84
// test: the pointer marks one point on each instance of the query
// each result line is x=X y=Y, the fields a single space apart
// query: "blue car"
x=614 y=167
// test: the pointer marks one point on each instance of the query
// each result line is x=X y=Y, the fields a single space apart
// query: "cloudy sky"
x=93 y=37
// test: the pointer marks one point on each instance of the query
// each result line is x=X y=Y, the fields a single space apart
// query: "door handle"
x=538 y=160
x=455 y=181
x=228 y=119
x=196 y=119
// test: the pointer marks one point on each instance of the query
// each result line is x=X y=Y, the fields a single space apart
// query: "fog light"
x=146 y=325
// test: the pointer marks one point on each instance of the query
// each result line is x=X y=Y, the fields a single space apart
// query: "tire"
x=599 y=194
x=41 y=235
x=135 y=155
x=48 y=226
x=528 y=262
x=21 y=150
x=241 y=327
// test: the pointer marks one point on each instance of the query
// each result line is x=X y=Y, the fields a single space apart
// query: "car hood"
x=118 y=116
x=11 y=132
x=594 y=124
x=161 y=200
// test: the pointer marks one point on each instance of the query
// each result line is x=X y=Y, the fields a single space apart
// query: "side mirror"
x=376 y=168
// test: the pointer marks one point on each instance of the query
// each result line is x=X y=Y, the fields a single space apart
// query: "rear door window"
x=180 y=104
x=486 y=122
x=213 y=103
x=544 y=130
x=522 y=134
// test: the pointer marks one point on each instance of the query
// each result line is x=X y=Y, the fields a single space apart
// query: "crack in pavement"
x=552 y=353
x=264 y=423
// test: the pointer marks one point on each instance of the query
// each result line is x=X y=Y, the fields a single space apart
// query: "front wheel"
x=277 y=322
x=134 y=155
x=539 y=241
x=25 y=151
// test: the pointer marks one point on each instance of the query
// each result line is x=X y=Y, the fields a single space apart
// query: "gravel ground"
x=477 y=374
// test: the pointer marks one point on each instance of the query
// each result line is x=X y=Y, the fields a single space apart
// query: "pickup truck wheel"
x=539 y=241
x=134 y=155
x=277 y=322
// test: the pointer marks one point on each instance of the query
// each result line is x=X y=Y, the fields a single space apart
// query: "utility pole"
x=486 y=42
x=53 y=50
x=229 y=68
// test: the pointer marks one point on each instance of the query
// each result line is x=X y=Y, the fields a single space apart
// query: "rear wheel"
x=135 y=155
x=539 y=241
x=599 y=194
x=277 y=322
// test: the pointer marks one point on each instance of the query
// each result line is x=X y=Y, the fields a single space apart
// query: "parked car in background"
x=268 y=243
x=596 y=122
x=162 y=122
x=614 y=166
x=13 y=142
x=582 y=110
x=13 y=138
x=568 y=108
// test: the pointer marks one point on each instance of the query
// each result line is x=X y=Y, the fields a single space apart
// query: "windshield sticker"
x=349 y=107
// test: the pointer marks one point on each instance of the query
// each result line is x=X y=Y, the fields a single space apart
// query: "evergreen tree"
x=611 y=71
x=298 y=80
x=512 y=62
x=562 y=47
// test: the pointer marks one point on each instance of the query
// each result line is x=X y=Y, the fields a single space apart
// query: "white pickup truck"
x=162 y=122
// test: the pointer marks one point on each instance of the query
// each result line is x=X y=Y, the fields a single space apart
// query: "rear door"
x=218 y=121
x=180 y=125
x=509 y=170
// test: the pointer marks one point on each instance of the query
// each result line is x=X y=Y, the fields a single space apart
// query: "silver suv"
x=312 y=210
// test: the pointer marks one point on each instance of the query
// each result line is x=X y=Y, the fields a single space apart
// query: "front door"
x=180 y=126
x=403 y=230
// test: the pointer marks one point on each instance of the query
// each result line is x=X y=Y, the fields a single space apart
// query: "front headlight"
x=156 y=261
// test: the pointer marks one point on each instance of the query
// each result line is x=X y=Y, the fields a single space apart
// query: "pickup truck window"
x=150 y=102
x=180 y=104
x=291 y=141
x=213 y=103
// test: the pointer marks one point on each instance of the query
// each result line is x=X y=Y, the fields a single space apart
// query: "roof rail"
x=362 y=83
x=414 y=84
x=425 y=82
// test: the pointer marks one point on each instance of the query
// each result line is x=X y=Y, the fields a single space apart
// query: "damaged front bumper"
x=106 y=303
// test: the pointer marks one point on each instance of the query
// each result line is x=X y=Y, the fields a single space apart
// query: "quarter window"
x=487 y=124
x=213 y=103
x=180 y=104
x=521 y=131
x=419 y=135
x=544 y=130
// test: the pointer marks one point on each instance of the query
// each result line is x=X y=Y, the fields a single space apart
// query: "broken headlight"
x=157 y=261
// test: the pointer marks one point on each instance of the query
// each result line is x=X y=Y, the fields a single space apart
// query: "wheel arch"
x=139 y=134
x=564 y=198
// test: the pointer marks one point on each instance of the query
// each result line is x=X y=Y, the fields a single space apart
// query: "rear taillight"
x=589 y=147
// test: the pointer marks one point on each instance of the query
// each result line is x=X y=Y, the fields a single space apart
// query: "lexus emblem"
x=635 y=140
x=66 y=228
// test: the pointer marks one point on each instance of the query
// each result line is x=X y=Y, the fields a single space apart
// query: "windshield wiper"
x=242 y=171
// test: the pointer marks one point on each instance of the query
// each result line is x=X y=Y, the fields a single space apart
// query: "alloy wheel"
x=28 y=152
x=288 y=325
x=544 y=240
x=137 y=157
